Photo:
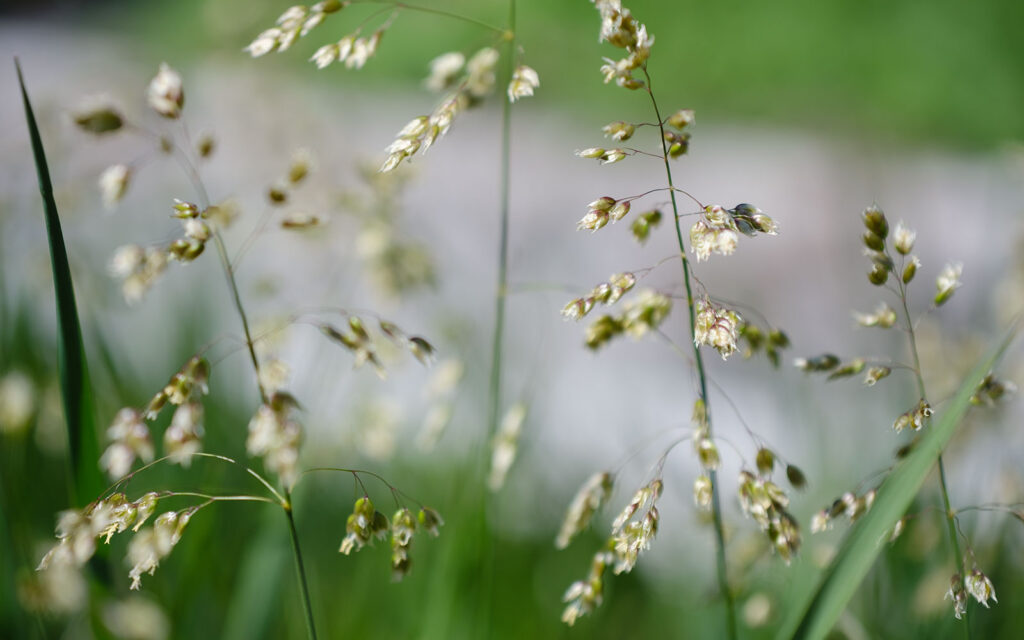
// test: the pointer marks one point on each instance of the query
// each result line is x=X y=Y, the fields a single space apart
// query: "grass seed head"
x=165 y=94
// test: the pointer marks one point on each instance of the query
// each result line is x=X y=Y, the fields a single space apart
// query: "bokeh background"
x=810 y=110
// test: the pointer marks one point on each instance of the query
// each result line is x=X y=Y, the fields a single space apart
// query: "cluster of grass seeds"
x=711 y=323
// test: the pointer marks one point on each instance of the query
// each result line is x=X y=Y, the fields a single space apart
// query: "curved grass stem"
x=436 y=12
x=716 y=509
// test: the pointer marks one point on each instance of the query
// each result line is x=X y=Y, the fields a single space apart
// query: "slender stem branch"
x=236 y=297
x=958 y=559
x=395 y=491
x=638 y=152
x=199 y=454
x=211 y=498
x=251 y=239
x=385 y=25
x=300 y=569
x=723 y=582
x=644 y=444
x=436 y=12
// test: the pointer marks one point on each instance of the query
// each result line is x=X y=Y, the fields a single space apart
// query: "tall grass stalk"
x=720 y=553
x=958 y=558
x=498 y=333
x=501 y=287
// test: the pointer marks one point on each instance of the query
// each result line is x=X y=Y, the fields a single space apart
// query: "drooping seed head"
x=875 y=222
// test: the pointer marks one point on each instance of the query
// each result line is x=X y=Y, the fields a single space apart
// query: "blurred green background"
x=942 y=72
x=902 y=75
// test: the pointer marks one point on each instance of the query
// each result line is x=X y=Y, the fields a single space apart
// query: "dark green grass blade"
x=867 y=538
x=86 y=480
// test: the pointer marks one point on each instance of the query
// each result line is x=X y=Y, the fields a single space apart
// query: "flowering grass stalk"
x=711 y=324
x=273 y=433
x=698 y=358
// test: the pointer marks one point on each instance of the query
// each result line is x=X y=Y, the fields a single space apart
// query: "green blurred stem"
x=300 y=568
x=486 y=539
x=501 y=290
x=723 y=581
x=958 y=559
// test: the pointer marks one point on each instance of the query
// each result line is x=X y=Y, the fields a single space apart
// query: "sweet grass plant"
x=703 y=232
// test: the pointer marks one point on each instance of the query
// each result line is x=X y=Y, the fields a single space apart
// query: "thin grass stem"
x=214 y=498
x=486 y=542
x=197 y=182
x=436 y=12
x=501 y=289
x=300 y=569
x=716 y=509
x=958 y=559
x=395 y=491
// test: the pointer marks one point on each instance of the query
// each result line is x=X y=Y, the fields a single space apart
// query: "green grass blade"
x=86 y=480
x=865 y=541
x=256 y=599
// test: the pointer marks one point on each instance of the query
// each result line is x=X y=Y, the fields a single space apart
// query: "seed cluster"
x=367 y=523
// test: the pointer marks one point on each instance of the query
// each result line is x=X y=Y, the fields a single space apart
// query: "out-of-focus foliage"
x=948 y=72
